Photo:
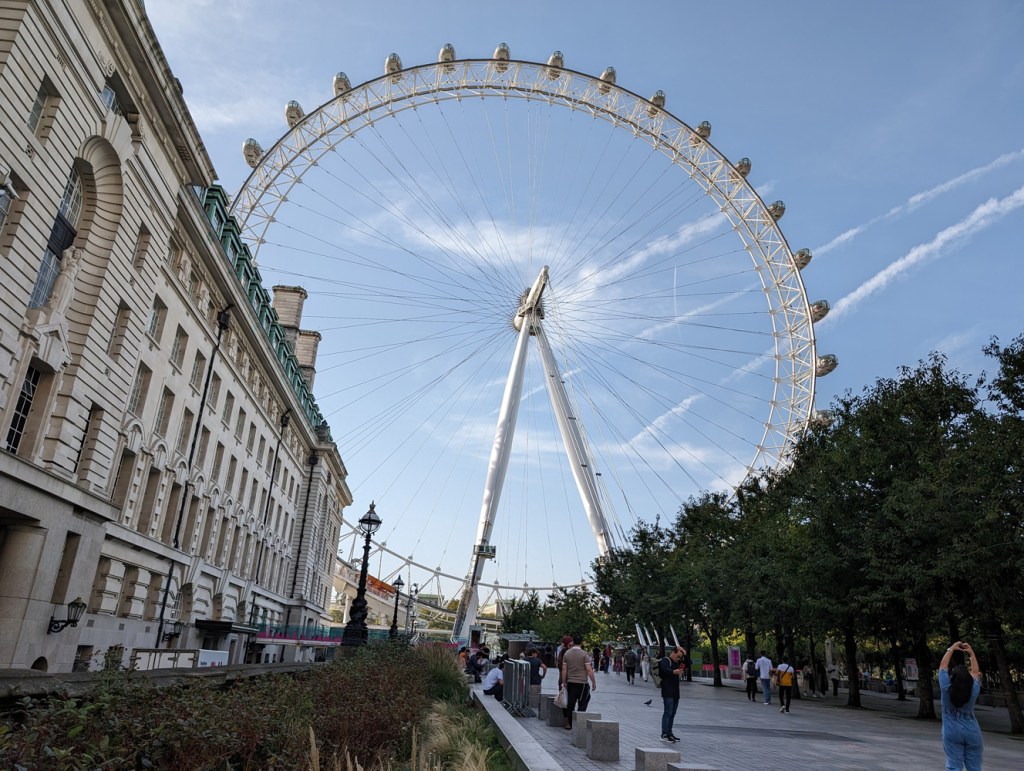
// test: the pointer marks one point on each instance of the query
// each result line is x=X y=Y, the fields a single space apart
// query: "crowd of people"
x=959 y=686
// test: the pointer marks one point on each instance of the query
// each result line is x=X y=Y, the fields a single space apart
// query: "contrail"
x=920 y=198
x=986 y=214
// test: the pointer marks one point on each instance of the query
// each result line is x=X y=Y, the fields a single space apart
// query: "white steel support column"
x=575 y=447
x=497 y=468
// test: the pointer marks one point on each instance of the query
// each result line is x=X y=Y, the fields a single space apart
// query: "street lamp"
x=75 y=610
x=398 y=584
x=175 y=631
x=410 y=601
x=355 y=630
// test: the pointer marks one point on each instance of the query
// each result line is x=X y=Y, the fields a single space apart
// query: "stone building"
x=162 y=457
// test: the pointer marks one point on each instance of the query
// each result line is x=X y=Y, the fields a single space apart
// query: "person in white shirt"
x=764 y=672
x=494 y=682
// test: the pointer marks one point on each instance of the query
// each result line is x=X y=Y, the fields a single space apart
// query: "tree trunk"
x=713 y=636
x=894 y=647
x=791 y=653
x=850 y=652
x=780 y=643
x=751 y=641
x=925 y=704
x=688 y=674
x=997 y=646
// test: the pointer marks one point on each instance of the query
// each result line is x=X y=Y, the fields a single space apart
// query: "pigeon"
x=648 y=702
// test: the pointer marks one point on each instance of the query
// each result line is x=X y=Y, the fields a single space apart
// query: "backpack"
x=751 y=669
x=655 y=672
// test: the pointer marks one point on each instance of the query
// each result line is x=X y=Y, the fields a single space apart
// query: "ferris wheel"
x=440 y=213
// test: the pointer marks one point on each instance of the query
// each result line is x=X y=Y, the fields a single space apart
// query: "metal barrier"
x=516 y=674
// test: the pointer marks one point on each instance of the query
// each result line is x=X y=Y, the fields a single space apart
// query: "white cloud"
x=982 y=217
x=918 y=199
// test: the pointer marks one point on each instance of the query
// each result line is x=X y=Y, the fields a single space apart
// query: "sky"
x=892 y=132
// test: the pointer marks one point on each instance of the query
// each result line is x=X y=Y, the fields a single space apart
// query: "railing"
x=327 y=635
x=516 y=697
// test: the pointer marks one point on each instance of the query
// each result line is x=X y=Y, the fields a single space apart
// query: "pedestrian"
x=764 y=672
x=576 y=670
x=670 y=668
x=833 y=675
x=807 y=675
x=537 y=667
x=606 y=659
x=494 y=683
x=959 y=689
x=821 y=678
x=787 y=676
x=750 y=672
x=629 y=662
x=566 y=644
x=645 y=665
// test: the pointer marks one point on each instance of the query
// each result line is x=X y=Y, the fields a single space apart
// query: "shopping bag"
x=562 y=699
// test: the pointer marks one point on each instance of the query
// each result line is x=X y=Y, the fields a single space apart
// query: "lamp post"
x=409 y=603
x=75 y=610
x=355 y=630
x=398 y=584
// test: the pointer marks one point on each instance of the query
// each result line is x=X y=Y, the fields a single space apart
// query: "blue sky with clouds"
x=892 y=131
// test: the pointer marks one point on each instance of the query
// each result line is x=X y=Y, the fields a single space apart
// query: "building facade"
x=162 y=458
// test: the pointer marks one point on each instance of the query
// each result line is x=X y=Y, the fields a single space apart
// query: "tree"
x=522 y=614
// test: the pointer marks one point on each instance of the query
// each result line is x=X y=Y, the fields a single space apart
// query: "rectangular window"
x=218 y=459
x=109 y=98
x=214 y=395
x=35 y=115
x=232 y=468
x=7 y=197
x=88 y=438
x=163 y=416
x=22 y=409
x=119 y=330
x=252 y=438
x=229 y=408
x=141 y=247
x=157 y=314
x=204 y=442
x=198 y=370
x=179 y=347
x=240 y=424
x=259 y=453
x=137 y=397
x=173 y=252
x=184 y=432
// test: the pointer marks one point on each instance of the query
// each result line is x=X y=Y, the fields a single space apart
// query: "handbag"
x=562 y=699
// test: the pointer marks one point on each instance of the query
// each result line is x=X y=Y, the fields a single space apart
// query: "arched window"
x=62 y=236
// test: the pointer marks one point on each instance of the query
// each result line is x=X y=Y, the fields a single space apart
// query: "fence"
x=516 y=674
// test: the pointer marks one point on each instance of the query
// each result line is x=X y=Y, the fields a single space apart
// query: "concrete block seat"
x=556 y=717
x=603 y=739
x=689 y=767
x=579 y=727
x=545 y=706
x=656 y=758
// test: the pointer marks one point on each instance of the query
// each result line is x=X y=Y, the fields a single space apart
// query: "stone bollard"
x=603 y=740
x=689 y=767
x=579 y=727
x=534 y=696
x=545 y=705
x=556 y=717
x=655 y=758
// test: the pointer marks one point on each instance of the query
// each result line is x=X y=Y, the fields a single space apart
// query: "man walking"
x=629 y=662
x=576 y=670
x=750 y=672
x=670 y=668
x=764 y=671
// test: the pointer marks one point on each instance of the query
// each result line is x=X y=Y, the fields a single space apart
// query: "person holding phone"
x=670 y=668
x=959 y=689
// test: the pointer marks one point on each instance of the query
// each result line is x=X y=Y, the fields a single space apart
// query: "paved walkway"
x=720 y=728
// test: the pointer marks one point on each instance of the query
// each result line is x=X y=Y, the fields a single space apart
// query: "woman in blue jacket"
x=959 y=689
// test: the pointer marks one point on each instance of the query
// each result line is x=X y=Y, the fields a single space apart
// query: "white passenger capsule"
x=446 y=56
x=704 y=129
x=341 y=84
x=607 y=80
x=743 y=167
x=293 y=113
x=802 y=258
x=826 y=364
x=252 y=152
x=556 y=62
x=657 y=103
x=392 y=65
x=501 y=57
x=777 y=209
x=819 y=310
x=822 y=417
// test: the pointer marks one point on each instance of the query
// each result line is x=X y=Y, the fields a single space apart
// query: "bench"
x=602 y=739
x=655 y=758
x=579 y=727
